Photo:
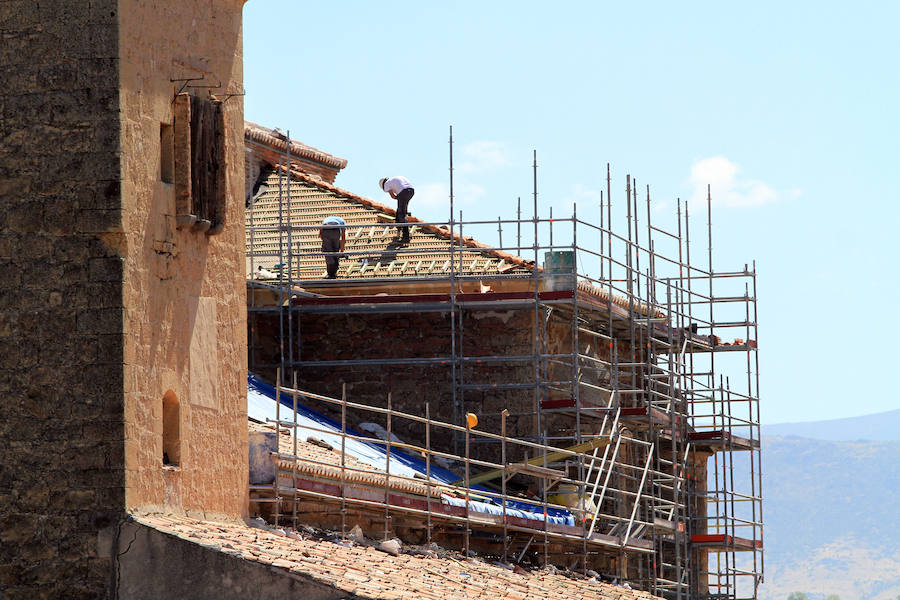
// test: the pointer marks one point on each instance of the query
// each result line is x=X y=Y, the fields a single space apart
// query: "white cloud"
x=728 y=187
x=483 y=157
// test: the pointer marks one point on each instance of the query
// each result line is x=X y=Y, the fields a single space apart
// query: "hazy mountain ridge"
x=880 y=427
x=831 y=511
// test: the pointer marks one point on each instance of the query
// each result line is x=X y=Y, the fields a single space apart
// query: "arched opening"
x=171 y=438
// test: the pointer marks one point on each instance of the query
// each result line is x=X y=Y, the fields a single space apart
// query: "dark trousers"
x=331 y=245
x=403 y=199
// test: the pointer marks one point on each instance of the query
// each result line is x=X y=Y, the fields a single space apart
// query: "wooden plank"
x=539 y=460
x=534 y=471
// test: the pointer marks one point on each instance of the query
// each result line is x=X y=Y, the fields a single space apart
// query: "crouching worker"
x=402 y=191
x=334 y=237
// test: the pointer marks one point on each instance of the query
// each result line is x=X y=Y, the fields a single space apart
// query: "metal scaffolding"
x=658 y=358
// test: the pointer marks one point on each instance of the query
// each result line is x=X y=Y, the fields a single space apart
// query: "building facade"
x=121 y=326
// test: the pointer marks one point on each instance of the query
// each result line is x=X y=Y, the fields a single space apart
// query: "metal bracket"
x=186 y=80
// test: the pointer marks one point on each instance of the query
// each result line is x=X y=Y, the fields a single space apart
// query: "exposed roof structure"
x=372 y=249
x=362 y=571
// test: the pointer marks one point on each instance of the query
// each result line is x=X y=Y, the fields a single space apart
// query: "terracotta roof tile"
x=368 y=573
x=268 y=137
x=311 y=457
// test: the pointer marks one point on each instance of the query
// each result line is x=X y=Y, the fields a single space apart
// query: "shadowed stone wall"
x=62 y=477
x=160 y=565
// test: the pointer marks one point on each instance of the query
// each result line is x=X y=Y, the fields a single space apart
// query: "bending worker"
x=334 y=236
x=402 y=191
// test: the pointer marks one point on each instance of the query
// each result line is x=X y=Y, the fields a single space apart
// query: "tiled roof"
x=271 y=138
x=371 y=250
x=362 y=571
x=371 y=245
x=311 y=457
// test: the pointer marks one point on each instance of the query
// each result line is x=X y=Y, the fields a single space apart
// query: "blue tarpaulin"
x=261 y=406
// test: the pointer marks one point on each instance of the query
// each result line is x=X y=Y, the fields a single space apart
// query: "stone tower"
x=122 y=307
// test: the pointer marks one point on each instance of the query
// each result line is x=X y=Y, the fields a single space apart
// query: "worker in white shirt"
x=334 y=236
x=402 y=191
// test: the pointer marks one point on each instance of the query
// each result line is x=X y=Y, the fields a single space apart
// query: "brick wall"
x=428 y=336
x=61 y=305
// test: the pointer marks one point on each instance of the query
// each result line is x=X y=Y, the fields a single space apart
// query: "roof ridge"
x=266 y=136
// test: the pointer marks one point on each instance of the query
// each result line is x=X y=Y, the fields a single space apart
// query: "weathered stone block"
x=33 y=499
x=14 y=187
x=102 y=380
x=35 y=246
x=10 y=275
x=95 y=294
x=70 y=249
x=99 y=321
x=10 y=575
x=60 y=76
x=95 y=520
x=104 y=431
x=17 y=528
x=16 y=15
x=99 y=221
x=97 y=72
x=106 y=269
x=26 y=217
x=59 y=217
x=9 y=357
x=35 y=551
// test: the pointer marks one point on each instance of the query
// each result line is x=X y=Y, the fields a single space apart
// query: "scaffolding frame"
x=669 y=317
x=285 y=489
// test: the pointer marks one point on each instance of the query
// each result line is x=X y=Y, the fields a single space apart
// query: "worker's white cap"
x=381 y=183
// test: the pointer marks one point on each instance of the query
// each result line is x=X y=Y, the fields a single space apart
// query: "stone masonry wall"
x=62 y=477
x=104 y=307
x=185 y=330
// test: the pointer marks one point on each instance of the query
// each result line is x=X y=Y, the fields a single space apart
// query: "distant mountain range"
x=831 y=499
x=880 y=427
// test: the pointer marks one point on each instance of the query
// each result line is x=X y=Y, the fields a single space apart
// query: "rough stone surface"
x=184 y=307
x=192 y=565
x=61 y=419
x=91 y=336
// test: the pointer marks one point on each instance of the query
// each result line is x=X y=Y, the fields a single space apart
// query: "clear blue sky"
x=790 y=110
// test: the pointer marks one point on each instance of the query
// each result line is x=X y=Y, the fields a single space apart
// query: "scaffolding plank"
x=722 y=440
x=725 y=543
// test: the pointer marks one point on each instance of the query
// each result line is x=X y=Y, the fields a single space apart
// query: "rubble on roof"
x=362 y=570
